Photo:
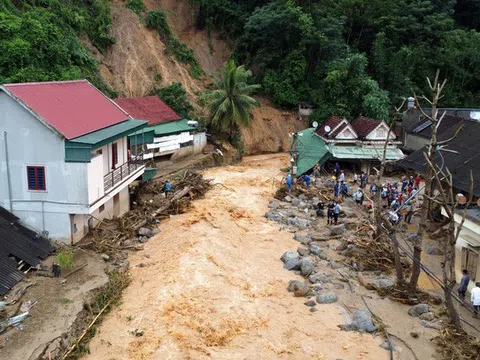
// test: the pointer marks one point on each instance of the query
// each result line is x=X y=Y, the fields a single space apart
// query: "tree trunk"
x=398 y=261
x=448 y=273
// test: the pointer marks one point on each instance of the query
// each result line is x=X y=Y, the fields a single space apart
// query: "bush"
x=65 y=258
x=136 y=6
x=175 y=96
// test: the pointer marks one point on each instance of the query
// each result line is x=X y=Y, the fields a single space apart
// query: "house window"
x=101 y=208
x=114 y=155
x=381 y=133
x=469 y=262
x=36 y=178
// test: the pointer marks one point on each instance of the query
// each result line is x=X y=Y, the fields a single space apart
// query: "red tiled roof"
x=149 y=108
x=364 y=126
x=73 y=108
x=332 y=121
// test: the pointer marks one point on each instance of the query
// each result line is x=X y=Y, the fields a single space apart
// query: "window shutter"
x=41 y=178
x=31 y=178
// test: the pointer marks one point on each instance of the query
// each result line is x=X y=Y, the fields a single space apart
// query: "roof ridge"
x=46 y=82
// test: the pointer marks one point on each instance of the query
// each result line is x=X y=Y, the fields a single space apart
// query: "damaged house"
x=64 y=158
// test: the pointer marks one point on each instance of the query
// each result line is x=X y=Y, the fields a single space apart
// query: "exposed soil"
x=56 y=310
x=270 y=128
x=211 y=285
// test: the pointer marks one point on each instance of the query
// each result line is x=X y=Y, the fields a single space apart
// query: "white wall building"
x=64 y=161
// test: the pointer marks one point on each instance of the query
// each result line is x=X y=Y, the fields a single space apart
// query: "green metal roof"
x=358 y=152
x=111 y=133
x=311 y=150
x=169 y=128
x=79 y=149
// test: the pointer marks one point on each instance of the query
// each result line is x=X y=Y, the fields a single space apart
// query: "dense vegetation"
x=352 y=56
x=39 y=39
x=175 y=96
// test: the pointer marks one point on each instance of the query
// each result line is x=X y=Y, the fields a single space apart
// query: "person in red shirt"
x=418 y=179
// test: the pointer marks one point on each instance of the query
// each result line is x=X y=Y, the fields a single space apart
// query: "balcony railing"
x=116 y=176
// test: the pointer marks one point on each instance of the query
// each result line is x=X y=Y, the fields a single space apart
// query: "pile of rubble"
x=150 y=205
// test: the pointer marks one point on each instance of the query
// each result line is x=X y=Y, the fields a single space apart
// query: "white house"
x=64 y=159
x=361 y=140
x=167 y=133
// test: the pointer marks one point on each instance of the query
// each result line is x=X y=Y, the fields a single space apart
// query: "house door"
x=116 y=205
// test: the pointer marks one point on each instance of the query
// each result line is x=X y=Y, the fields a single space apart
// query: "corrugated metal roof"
x=168 y=128
x=108 y=134
x=467 y=145
x=358 y=152
x=149 y=108
x=73 y=108
x=311 y=149
x=20 y=243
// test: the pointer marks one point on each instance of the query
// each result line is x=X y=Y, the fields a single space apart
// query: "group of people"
x=475 y=294
x=333 y=211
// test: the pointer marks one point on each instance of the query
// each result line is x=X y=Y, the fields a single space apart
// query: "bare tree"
x=448 y=201
x=381 y=221
x=436 y=88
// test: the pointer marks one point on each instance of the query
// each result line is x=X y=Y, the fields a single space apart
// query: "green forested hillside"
x=39 y=39
x=353 y=56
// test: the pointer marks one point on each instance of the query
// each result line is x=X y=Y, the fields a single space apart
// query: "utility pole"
x=294 y=155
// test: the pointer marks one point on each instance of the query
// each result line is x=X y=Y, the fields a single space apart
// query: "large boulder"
x=289 y=255
x=335 y=265
x=382 y=284
x=303 y=238
x=417 y=310
x=327 y=298
x=319 y=278
x=361 y=321
x=292 y=264
x=296 y=201
x=303 y=250
x=301 y=290
x=337 y=229
x=274 y=204
x=145 y=232
x=428 y=316
x=307 y=266
x=292 y=284
x=316 y=250
x=288 y=198
x=303 y=206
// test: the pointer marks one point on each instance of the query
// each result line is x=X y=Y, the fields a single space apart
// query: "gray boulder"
x=386 y=346
x=302 y=197
x=274 y=204
x=288 y=198
x=302 y=223
x=307 y=266
x=304 y=239
x=327 y=298
x=430 y=325
x=382 y=284
x=293 y=264
x=303 y=205
x=319 y=278
x=428 y=316
x=417 y=310
x=316 y=250
x=335 y=265
x=337 y=229
x=289 y=255
x=323 y=256
x=145 y=232
x=301 y=290
x=313 y=309
x=270 y=215
x=434 y=251
x=296 y=201
x=292 y=284
x=361 y=321
x=303 y=250
x=310 y=303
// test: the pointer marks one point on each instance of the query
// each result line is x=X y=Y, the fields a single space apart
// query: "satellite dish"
x=315 y=124
x=327 y=129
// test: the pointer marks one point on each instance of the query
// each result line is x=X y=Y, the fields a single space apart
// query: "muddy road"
x=211 y=285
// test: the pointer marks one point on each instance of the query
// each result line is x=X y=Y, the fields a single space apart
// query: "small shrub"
x=65 y=301
x=136 y=6
x=65 y=258
x=175 y=96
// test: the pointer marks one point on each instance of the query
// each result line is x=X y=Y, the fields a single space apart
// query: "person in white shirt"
x=342 y=176
x=476 y=299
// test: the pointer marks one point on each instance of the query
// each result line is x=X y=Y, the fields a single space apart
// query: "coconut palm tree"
x=230 y=104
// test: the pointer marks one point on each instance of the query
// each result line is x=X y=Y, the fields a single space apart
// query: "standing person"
x=330 y=212
x=462 y=289
x=320 y=208
x=289 y=183
x=355 y=178
x=418 y=180
x=336 y=189
x=404 y=183
x=362 y=180
x=411 y=181
x=476 y=299
x=337 y=169
x=316 y=174
x=408 y=211
x=342 y=176
x=167 y=188
x=344 y=190
x=306 y=178
x=336 y=214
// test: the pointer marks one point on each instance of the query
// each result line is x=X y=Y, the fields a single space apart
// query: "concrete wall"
x=199 y=142
x=31 y=143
